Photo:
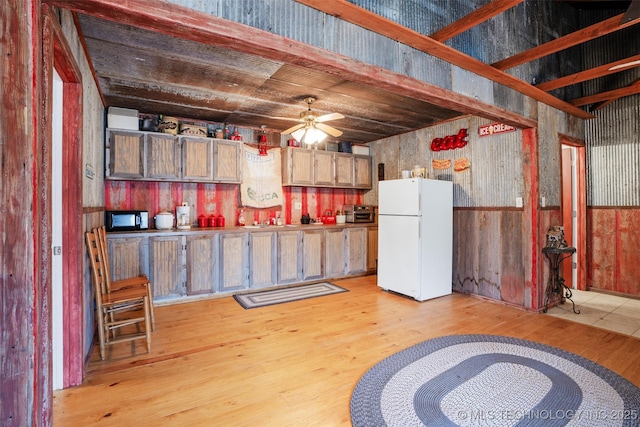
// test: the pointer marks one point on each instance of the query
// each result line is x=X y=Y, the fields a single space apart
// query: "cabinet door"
x=166 y=265
x=227 y=161
x=202 y=264
x=197 y=159
x=324 y=168
x=356 y=249
x=312 y=254
x=297 y=166
x=124 y=155
x=163 y=157
x=344 y=170
x=362 y=171
x=128 y=256
x=334 y=253
x=372 y=248
x=288 y=256
x=262 y=259
x=234 y=255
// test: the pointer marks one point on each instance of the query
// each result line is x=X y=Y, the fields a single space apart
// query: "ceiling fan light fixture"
x=309 y=135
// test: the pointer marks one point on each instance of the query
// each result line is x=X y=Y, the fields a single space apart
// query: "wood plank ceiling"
x=182 y=71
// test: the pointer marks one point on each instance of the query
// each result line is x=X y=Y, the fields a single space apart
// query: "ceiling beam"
x=189 y=24
x=593 y=73
x=356 y=15
x=632 y=89
x=591 y=32
x=474 y=18
x=601 y=105
x=633 y=13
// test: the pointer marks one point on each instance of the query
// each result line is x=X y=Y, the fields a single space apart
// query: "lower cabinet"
x=372 y=249
x=356 y=250
x=312 y=254
x=262 y=259
x=289 y=259
x=166 y=265
x=202 y=264
x=334 y=252
x=186 y=264
x=234 y=262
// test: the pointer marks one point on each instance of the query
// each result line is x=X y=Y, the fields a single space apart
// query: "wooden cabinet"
x=201 y=264
x=197 y=159
x=312 y=254
x=344 y=170
x=324 y=168
x=262 y=259
x=334 y=252
x=227 y=161
x=128 y=257
x=289 y=256
x=153 y=156
x=297 y=166
x=319 y=168
x=372 y=249
x=234 y=262
x=163 y=157
x=166 y=265
x=362 y=171
x=124 y=155
x=356 y=250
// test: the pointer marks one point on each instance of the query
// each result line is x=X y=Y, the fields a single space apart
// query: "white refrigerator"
x=415 y=237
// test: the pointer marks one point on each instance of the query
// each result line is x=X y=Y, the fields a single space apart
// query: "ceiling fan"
x=312 y=129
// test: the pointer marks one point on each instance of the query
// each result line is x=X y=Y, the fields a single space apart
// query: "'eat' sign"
x=450 y=142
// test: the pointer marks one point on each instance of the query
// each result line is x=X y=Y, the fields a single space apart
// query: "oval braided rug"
x=474 y=380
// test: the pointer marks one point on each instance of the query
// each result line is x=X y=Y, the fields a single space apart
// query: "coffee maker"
x=183 y=216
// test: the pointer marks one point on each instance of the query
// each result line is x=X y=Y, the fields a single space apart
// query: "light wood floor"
x=215 y=364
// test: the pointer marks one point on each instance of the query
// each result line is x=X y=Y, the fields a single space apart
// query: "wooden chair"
x=140 y=281
x=117 y=310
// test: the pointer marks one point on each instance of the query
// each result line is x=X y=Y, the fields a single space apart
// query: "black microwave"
x=126 y=220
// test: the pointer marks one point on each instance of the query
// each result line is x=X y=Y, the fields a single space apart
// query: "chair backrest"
x=101 y=235
x=97 y=266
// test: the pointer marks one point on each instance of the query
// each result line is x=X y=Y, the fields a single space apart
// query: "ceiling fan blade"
x=330 y=116
x=328 y=129
x=293 y=128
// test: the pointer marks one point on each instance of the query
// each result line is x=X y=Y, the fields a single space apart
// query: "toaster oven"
x=358 y=213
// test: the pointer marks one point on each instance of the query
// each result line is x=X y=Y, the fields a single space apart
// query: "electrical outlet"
x=297 y=205
x=519 y=202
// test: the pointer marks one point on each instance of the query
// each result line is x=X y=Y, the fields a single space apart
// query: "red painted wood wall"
x=223 y=199
x=613 y=249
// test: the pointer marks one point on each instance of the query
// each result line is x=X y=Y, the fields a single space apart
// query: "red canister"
x=202 y=221
x=212 y=221
x=220 y=221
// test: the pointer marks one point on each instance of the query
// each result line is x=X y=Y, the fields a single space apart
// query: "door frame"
x=580 y=196
x=58 y=55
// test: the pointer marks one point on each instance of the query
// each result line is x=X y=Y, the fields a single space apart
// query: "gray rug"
x=282 y=295
x=474 y=380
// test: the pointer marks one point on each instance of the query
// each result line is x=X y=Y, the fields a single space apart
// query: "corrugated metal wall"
x=613 y=137
x=494 y=179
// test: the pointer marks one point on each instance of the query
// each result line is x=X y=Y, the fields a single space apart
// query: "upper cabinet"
x=317 y=168
x=152 y=156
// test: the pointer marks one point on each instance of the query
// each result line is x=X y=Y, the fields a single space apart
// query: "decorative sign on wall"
x=450 y=142
x=494 y=128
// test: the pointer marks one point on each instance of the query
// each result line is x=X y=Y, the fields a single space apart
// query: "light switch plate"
x=543 y=202
x=297 y=205
x=519 y=202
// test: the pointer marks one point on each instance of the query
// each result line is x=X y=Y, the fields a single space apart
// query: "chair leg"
x=150 y=298
x=147 y=323
x=101 y=335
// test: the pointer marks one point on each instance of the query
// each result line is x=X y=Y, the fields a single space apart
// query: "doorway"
x=573 y=177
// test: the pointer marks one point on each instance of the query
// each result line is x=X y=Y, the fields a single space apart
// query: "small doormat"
x=294 y=293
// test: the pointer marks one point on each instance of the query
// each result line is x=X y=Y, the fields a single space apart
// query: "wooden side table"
x=556 y=283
